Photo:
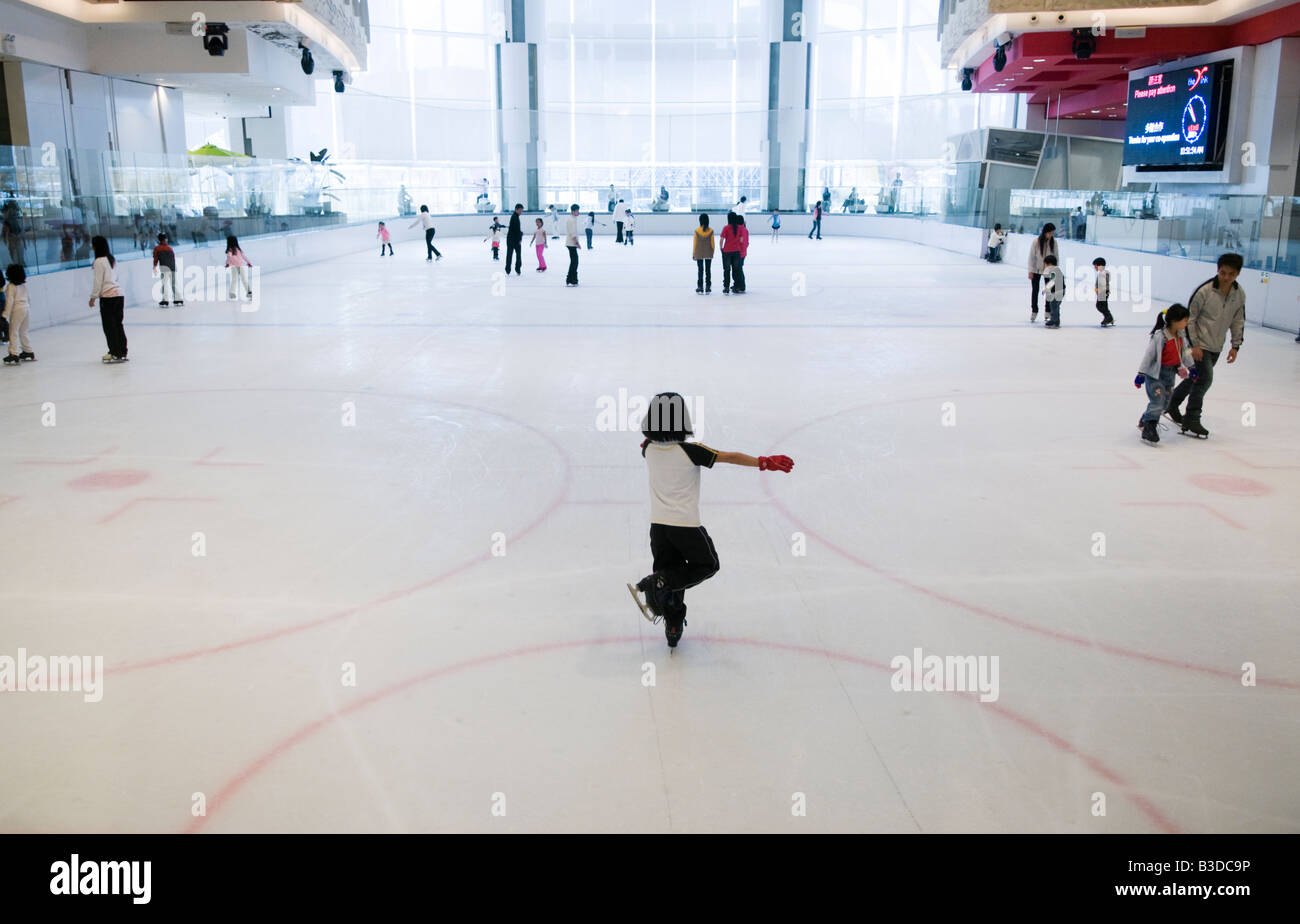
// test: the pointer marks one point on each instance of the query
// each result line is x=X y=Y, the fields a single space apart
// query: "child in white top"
x=539 y=243
x=112 y=304
x=17 y=310
x=683 y=554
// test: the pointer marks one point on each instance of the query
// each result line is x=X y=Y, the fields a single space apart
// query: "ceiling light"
x=215 y=41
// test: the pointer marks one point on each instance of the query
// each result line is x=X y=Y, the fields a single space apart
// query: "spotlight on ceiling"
x=308 y=62
x=1084 y=44
x=338 y=81
x=1000 y=50
x=215 y=40
x=966 y=74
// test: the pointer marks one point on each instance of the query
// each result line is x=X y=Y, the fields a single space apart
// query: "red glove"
x=775 y=463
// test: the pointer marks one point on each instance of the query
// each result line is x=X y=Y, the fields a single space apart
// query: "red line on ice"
x=253 y=769
x=978 y=610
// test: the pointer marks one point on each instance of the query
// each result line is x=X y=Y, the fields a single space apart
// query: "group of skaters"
x=106 y=290
x=1185 y=343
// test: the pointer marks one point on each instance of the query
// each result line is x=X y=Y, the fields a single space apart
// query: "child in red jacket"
x=735 y=244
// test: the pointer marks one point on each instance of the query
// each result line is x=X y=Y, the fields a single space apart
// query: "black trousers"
x=1103 y=305
x=111 y=311
x=573 y=265
x=428 y=242
x=618 y=236
x=1197 y=389
x=1034 y=281
x=704 y=276
x=589 y=239
x=683 y=556
x=389 y=246
x=816 y=228
x=733 y=271
x=514 y=247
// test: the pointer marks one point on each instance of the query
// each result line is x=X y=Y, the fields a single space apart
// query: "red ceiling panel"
x=1042 y=64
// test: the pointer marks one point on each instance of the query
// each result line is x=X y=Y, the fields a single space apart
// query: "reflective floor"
x=355 y=561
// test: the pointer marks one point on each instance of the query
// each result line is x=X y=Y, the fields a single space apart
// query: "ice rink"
x=356 y=561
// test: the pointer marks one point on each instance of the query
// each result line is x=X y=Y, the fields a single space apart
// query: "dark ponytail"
x=1175 y=312
x=1042 y=239
x=99 y=246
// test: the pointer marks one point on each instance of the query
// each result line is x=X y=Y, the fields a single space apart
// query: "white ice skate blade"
x=650 y=617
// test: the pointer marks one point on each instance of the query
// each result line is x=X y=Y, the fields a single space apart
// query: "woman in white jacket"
x=1042 y=246
x=112 y=304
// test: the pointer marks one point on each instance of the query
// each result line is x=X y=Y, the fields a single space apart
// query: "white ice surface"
x=522 y=674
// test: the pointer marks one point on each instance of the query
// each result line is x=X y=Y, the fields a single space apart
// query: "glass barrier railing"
x=1196 y=226
x=53 y=201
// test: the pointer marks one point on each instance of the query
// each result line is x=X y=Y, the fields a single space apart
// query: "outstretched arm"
x=762 y=463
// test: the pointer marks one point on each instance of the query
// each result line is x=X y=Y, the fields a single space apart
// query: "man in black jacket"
x=514 y=240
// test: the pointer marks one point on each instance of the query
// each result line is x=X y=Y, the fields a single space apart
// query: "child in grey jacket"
x=1053 y=290
x=1167 y=355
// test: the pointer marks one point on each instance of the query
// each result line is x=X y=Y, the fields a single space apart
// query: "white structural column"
x=518 y=102
x=789 y=84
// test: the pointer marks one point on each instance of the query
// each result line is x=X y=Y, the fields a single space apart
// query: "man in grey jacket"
x=1217 y=306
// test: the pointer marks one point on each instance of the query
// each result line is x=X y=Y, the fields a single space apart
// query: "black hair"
x=744 y=199
x=704 y=219
x=1100 y=261
x=666 y=419
x=732 y=217
x=16 y=274
x=232 y=243
x=1231 y=260
x=1175 y=312
x=997 y=227
x=575 y=207
x=519 y=205
x=424 y=208
x=99 y=246
x=1042 y=236
x=162 y=239
x=1049 y=260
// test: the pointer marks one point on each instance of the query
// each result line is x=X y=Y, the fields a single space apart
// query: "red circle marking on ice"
x=113 y=480
x=1230 y=484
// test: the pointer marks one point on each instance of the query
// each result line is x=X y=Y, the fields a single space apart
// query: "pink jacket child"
x=735 y=244
x=239 y=266
x=385 y=240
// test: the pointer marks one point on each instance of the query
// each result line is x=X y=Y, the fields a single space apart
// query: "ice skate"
x=1149 y=434
x=673 y=632
x=11 y=360
x=644 y=607
x=27 y=357
x=1193 y=428
x=1174 y=414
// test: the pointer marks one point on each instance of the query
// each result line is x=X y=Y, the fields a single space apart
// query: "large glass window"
x=884 y=108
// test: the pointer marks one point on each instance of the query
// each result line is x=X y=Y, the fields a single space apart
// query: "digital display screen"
x=1176 y=117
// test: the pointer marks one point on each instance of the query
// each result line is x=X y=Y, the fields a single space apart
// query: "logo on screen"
x=1194 y=114
x=1198 y=77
